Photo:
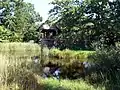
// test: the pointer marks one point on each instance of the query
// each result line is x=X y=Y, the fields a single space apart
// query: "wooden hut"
x=48 y=35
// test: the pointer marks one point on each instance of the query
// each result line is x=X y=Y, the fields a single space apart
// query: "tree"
x=89 y=21
x=26 y=19
x=69 y=14
x=6 y=34
x=19 y=17
x=105 y=15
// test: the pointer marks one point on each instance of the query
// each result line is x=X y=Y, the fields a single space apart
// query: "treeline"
x=86 y=24
x=18 y=21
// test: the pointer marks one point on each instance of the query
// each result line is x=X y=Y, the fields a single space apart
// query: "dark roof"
x=51 y=29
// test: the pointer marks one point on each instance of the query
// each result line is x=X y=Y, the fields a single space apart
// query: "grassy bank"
x=70 y=54
x=52 y=84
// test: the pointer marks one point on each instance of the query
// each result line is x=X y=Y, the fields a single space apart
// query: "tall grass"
x=20 y=48
x=16 y=66
x=11 y=69
x=34 y=49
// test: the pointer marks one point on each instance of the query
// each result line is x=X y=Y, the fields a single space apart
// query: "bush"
x=108 y=61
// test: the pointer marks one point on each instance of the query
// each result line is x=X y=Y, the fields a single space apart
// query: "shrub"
x=108 y=61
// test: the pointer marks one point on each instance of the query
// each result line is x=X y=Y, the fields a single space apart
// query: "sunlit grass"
x=70 y=54
x=20 y=49
x=53 y=84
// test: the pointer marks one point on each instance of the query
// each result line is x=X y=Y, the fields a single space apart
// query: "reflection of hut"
x=48 y=34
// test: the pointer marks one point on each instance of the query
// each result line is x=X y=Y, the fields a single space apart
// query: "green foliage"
x=31 y=34
x=20 y=19
x=6 y=34
x=51 y=84
x=65 y=12
x=104 y=15
x=70 y=54
x=26 y=22
x=108 y=69
x=92 y=21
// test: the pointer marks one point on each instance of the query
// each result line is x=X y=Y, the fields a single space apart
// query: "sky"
x=41 y=6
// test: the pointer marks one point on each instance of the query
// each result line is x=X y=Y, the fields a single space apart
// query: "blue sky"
x=41 y=6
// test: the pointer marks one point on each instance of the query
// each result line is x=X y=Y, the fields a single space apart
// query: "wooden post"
x=41 y=36
x=42 y=46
